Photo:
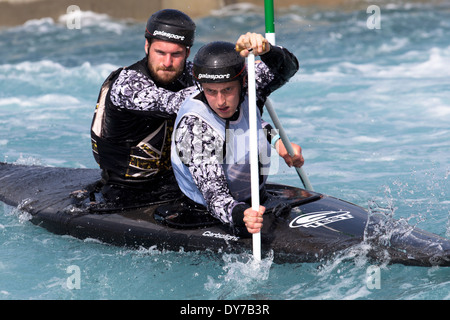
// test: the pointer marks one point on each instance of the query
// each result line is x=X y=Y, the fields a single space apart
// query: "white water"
x=370 y=108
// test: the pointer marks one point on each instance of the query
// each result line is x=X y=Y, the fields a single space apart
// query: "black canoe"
x=299 y=225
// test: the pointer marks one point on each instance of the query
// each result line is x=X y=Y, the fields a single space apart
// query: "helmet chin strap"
x=243 y=82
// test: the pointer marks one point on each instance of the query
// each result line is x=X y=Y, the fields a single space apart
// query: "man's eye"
x=227 y=90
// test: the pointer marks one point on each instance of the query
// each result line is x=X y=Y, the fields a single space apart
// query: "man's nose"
x=221 y=101
x=168 y=61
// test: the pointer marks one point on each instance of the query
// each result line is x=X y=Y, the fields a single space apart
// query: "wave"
x=410 y=65
x=47 y=99
x=87 y=20
x=46 y=77
x=93 y=19
x=43 y=67
x=237 y=10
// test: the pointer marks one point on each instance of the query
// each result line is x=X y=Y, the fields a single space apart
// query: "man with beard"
x=136 y=108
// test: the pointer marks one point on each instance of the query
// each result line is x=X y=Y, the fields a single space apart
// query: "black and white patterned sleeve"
x=137 y=93
x=200 y=147
x=276 y=68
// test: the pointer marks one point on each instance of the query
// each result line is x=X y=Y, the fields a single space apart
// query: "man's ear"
x=147 y=46
x=188 y=52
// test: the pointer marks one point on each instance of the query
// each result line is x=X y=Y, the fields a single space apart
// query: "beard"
x=164 y=76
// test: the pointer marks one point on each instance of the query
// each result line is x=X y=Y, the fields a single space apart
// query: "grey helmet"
x=171 y=25
x=218 y=62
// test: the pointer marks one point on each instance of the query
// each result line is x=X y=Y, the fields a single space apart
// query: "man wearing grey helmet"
x=210 y=157
x=137 y=105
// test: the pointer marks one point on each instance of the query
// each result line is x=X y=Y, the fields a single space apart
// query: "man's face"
x=166 y=60
x=223 y=98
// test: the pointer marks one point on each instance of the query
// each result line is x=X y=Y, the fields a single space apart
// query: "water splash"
x=19 y=211
x=380 y=223
x=28 y=161
x=242 y=277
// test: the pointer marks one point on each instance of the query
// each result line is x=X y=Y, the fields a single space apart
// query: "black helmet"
x=218 y=62
x=171 y=25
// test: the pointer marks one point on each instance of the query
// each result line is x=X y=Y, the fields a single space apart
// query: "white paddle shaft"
x=253 y=149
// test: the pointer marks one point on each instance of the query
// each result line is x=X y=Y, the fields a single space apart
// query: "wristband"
x=274 y=140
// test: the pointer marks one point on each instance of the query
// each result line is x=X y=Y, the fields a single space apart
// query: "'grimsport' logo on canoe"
x=319 y=219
